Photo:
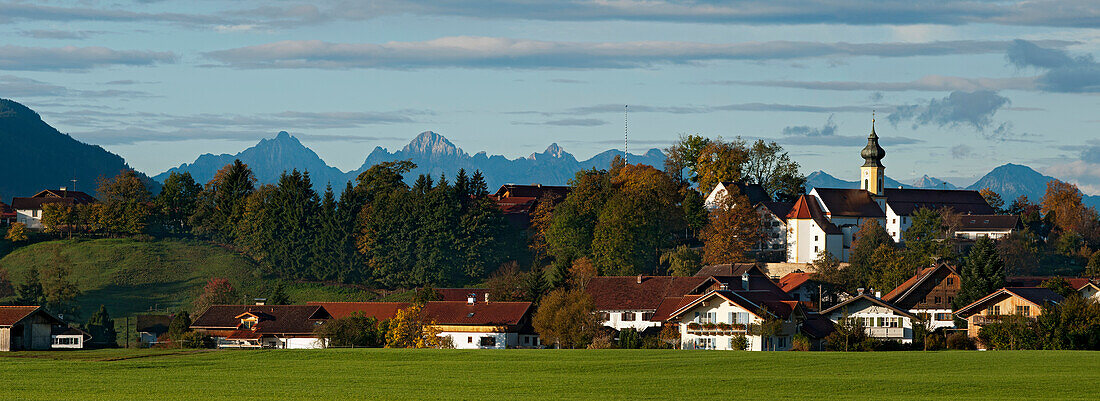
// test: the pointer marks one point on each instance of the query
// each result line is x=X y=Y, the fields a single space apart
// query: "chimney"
x=878 y=294
x=639 y=279
x=745 y=281
x=261 y=301
x=486 y=297
x=723 y=287
x=471 y=299
x=859 y=291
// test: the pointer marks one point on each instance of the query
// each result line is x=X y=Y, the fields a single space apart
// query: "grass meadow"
x=393 y=374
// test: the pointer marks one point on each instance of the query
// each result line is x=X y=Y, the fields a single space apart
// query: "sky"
x=956 y=88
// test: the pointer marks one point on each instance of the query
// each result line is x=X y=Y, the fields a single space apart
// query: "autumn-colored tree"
x=721 y=161
x=411 y=328
x=683 y=156
x=58 y=217
x=732 y=232
x=1063 y=200
x=636 y=221
x=1093 y=268
x=541 y=218
x=581 y=272
x=218 y=291
x=17 y=232
x=993 y=199
x=771 y=167
x=566 y=318
x=59 y=290
x=509 y=283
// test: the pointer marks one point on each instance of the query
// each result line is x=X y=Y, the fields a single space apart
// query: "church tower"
x=872 y=173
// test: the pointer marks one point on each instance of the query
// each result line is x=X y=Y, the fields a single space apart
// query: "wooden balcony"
x=885 y=332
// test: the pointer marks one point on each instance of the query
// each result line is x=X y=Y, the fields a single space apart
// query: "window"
x=815 y=238
x=815 y=249
x=939 y=300
x=950 y=300
x=993 y=310
x=943 y=317
x=865 y=181
x=628 y=316
x=894 y=221
x=647 y=316
x=781 y=342
x=950 y=280
x=488 y=342
x=469 y=340
x=526 y=340
x=604 y=316
x=1023 y=310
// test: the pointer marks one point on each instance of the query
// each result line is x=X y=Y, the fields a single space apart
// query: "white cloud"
x=71 y=58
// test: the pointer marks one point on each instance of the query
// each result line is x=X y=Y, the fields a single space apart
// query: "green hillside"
x=130 y=276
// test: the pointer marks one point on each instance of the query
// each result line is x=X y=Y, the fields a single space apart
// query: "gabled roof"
x=1036 y=281
x=516 y=205
x=848 y=202
x=779 y=209
x=627 y=293
x=779 y=308
x=377 y=310
x=12 y=315
x=274 y=319
x=460 y=294
x=77 y=196
x=153 y=323
x=532 y=191
x=792 y=281
x=867 y=297
x=1038 y=296
x=988 y=222
x=755 y=192
x=911 y=286
x=806 y=207
x=477 y=314
x=66 y=330
x=671 y=304
x=905 y=201
x=51 y=196
x=728 y=270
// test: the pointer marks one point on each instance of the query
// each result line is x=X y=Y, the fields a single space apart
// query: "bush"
x=602 y=340
x=629 y=339
x=739 y=342
x=933 y=341
x=801 y=343
x=195 y=339
x=961 y=341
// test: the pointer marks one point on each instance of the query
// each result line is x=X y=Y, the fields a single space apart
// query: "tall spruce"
x=102 y=328
x=222 y=201
x=983 y=273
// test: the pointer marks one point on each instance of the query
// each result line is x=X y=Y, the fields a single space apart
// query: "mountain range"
x=432 y=153
x=1009 y=180
x=35 y=156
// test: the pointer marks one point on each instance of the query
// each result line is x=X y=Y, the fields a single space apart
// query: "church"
x=826 y=219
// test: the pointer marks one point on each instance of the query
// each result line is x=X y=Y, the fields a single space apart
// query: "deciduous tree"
x=733 y=230
x=218 y=291
x=566 y=318
x=17 y=232
x=177 y=200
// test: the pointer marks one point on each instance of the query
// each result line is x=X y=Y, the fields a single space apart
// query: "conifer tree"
x=983 y=273
x=102 y=328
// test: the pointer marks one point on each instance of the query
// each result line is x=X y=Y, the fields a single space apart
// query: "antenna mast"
x=626 y=132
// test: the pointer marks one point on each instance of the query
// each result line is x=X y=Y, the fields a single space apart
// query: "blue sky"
x=958 y=87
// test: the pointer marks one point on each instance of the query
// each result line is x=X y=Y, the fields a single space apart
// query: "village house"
x=827 y=219
x=29 y=210
x=773 y=217
x=150 y=327
x=814 y=294
x=992 y=226
x=7 y=215
x=262 y=326
x=630 y=302
x=1089 y=290
x=1021 y=301
x=471 y=324
x=929 y=295
x=517 y=202
x=32 y=328
x=881 y=320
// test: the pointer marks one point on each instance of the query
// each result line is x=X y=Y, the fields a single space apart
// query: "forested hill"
x=35 y=156
x=432 y=153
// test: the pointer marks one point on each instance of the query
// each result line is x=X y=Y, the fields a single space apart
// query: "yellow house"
x=1024 y=301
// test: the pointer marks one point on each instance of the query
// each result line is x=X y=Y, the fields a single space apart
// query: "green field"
x=546 y=374
x=130 y=276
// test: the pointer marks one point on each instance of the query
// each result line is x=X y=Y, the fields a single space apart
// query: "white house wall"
x=723 y=310
x=26 y=216
x=866 y=310
x=615 y=320
x=471 y=340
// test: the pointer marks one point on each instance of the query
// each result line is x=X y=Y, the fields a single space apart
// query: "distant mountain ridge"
x=35 y=156
x=821 y=179
x=432 y=153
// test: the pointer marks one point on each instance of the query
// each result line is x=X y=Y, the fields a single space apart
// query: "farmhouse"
x=722 y=316
x=7 y=215
x=28 y=328
x=929 y=295
x=29 y=210
x=986 y=225
x=1089 y=290
x=812 y=293
x=1021 y=301
x=881 y=320
x=629 y=302
x=262 y=326
x=150 y=327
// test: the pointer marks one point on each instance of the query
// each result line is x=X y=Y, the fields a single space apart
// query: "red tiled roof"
x=10 y=315
x=806 y=207
x=626 y=293
x=906 y=289
x=793 y=280
x=669 y=305
x=871 y=299
x=480 y=313
x=377 y=310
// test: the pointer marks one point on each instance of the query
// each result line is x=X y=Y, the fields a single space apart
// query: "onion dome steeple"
x=872 y=153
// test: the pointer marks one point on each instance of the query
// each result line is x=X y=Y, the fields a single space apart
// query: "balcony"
x=885 y=332
x=986 y=319
x=711 y=329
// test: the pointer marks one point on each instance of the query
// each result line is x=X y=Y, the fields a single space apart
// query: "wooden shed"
x=26 y=328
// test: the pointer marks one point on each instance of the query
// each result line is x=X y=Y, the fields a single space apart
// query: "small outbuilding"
x=27 y=328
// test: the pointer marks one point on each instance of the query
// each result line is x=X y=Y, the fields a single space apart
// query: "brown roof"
x=516 y=205
x=727 y=270
x=626 y=293
x=905 y=201
x=532 y=191
x=986 y=222
x=755 y=192
x=1036 y=295
x=479 y=313
x=849 y=202
x=51 y=196
x=10 y=315
x=817 y=326
x=37 y=203
x=274 y=319
x=751 y=301
x=779 y=209
x=377 y=310
x=153 y=323
x=1035 y=281
x=911 y=286
x=806 y=207
x=669 y=305
x=792 y=281
x=871 y=299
